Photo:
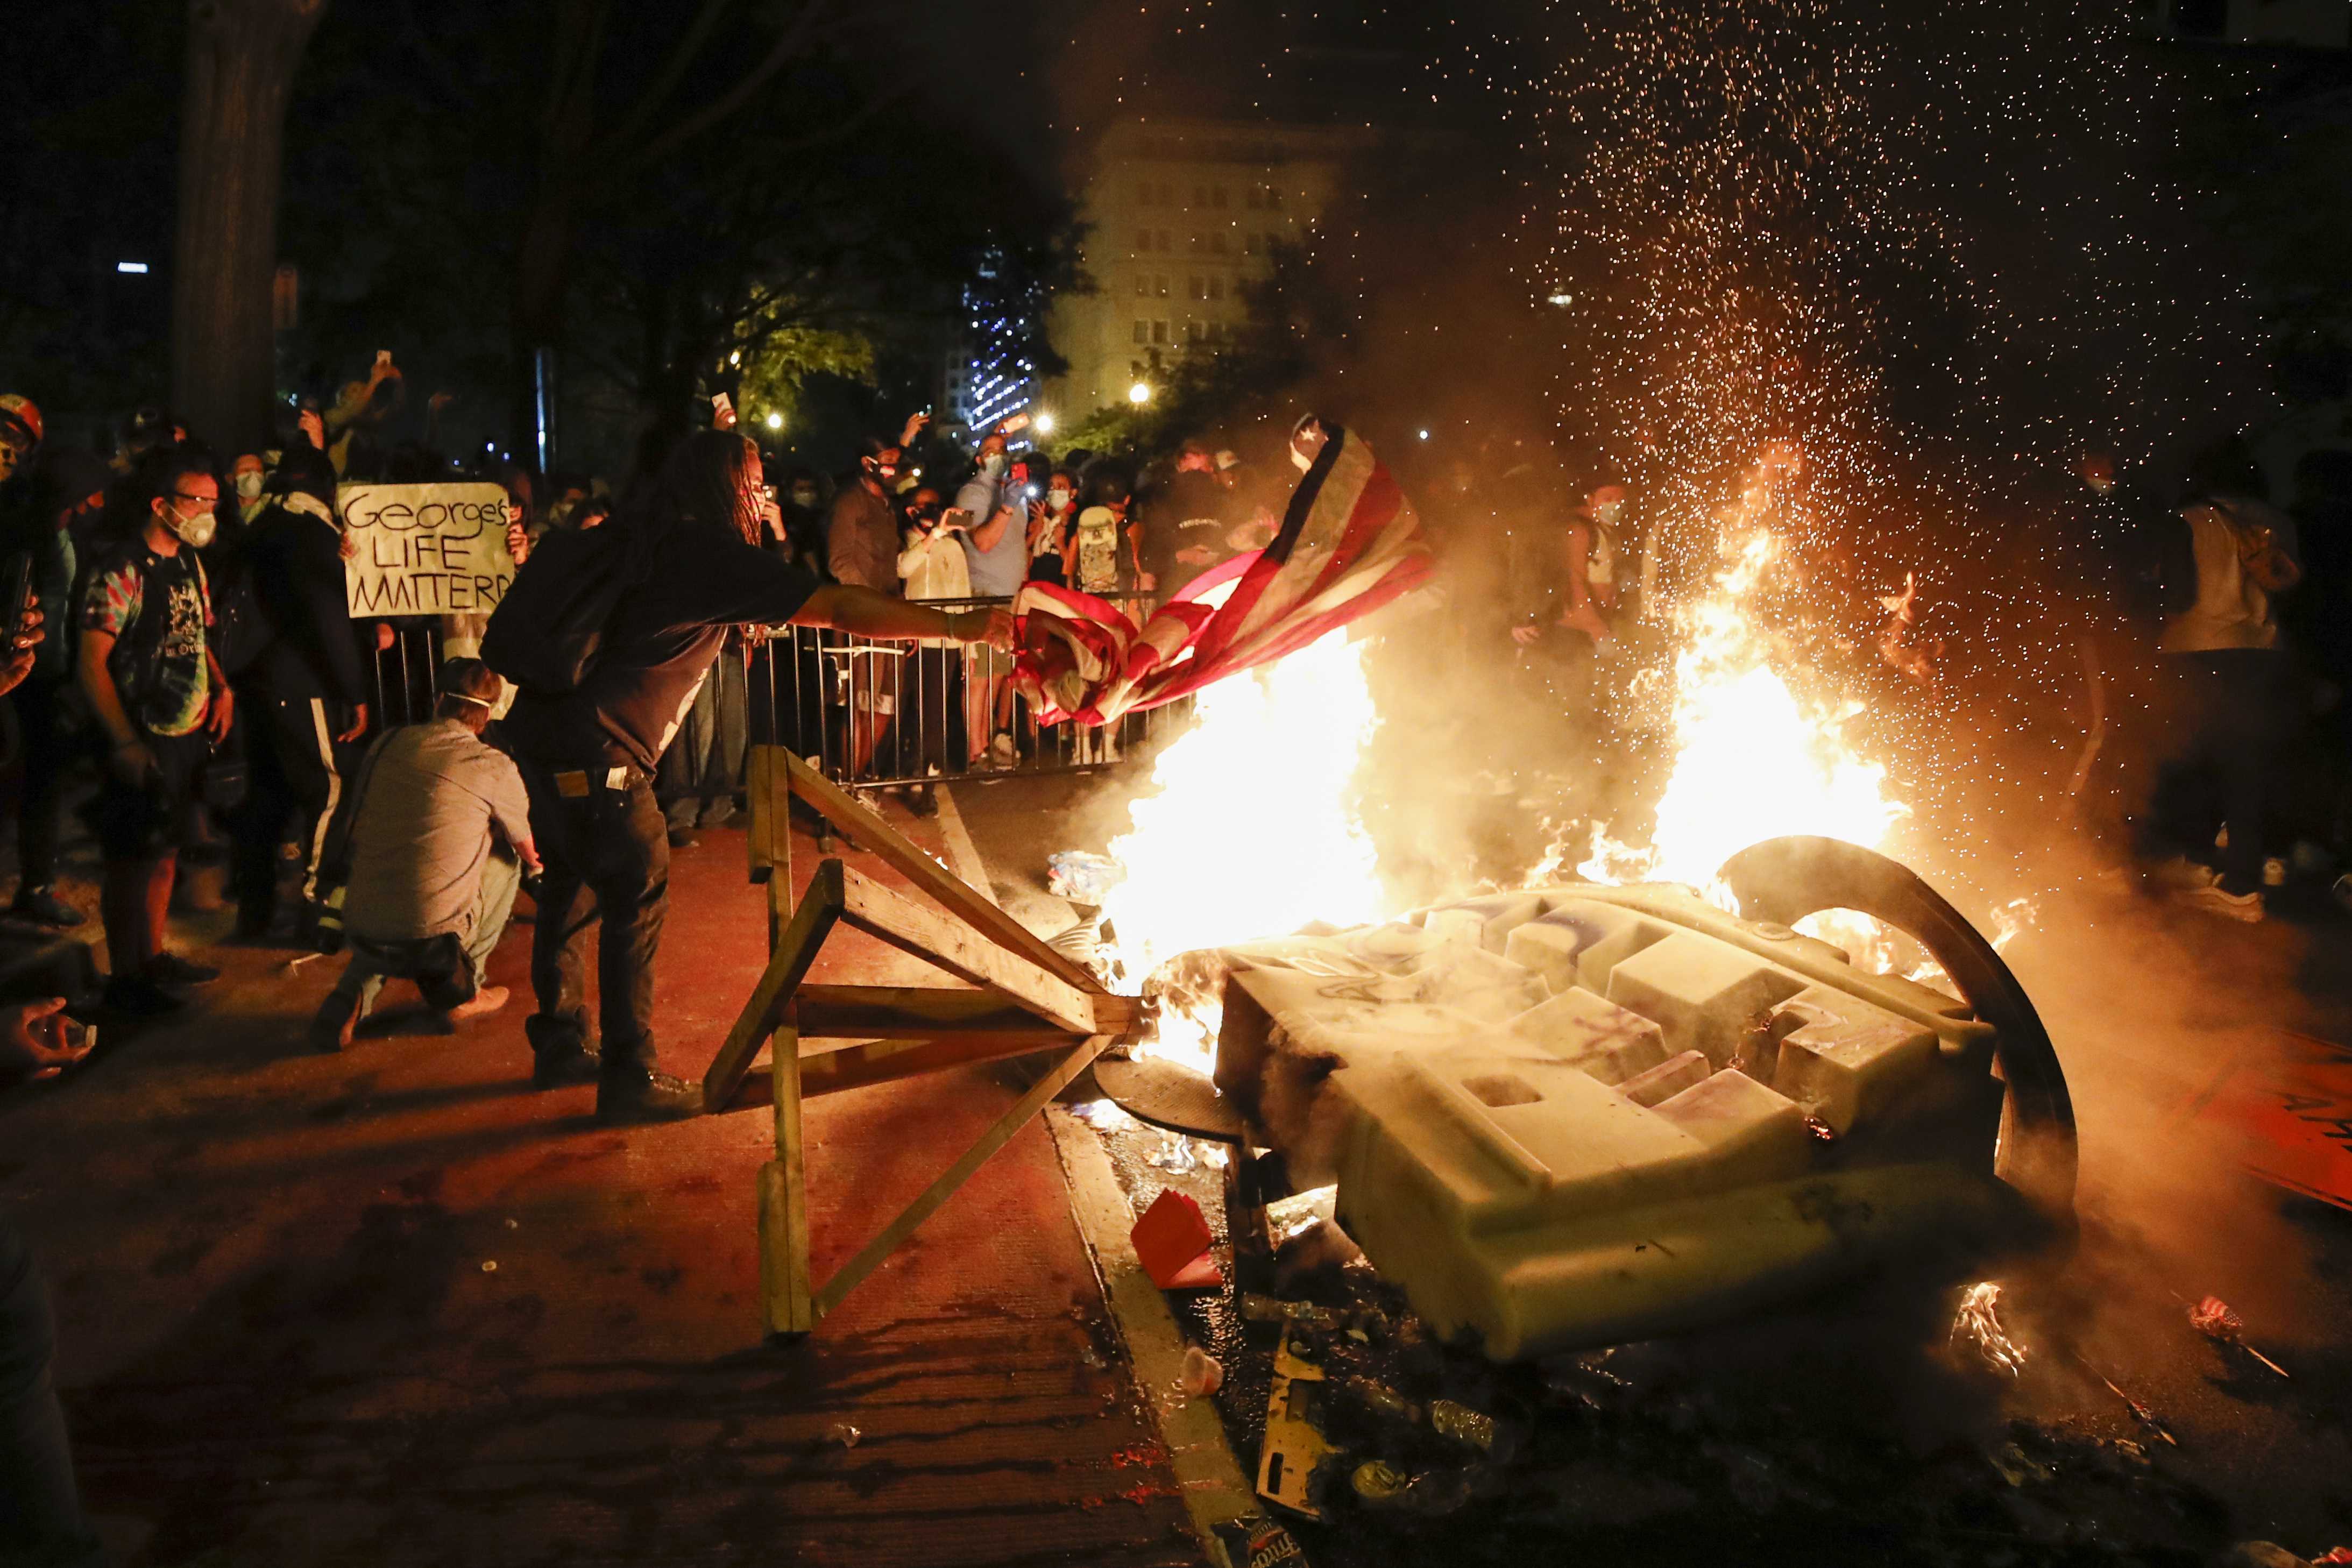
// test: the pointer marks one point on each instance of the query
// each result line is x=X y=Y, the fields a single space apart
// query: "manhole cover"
x=1167 y=1095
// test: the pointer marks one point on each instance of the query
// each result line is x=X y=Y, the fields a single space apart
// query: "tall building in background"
x=990 y=372
x=1180 y=214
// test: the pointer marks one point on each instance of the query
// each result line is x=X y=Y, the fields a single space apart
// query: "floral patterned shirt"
x=157 y=608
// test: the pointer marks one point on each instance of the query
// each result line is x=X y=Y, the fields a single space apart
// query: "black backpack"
x=546 y=632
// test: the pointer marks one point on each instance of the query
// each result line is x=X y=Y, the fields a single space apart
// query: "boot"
x=652 y=1097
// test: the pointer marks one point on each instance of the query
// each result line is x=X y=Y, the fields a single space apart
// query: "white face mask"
x=248 y=484
x=1607 y=512
x=1058 y=499
x=992 y=466
x=196 y=531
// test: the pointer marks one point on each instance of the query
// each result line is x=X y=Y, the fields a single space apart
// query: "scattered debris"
x=842 y=1433
x=1175 y=1155
x=1203 y=1374
x=1102 y=1115
x=1173 y=1240
x=1260 y=1309
x=1255 y=1541
x=1978 y=1323
x=1082 y=876
x=2212 y=1318
x=2141 y=1413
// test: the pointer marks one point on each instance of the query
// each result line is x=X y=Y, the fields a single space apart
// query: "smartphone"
x=723 y=410
x=383 y=356
x=16 y=594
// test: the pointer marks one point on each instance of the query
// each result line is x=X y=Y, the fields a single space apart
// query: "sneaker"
x=564 y=1064
x=44 y=908
x=486 y=1000
x=331 y=1025
x=655 y=1097
x=2215 y=899
x=171 y=969
x=138 y=997
x=1001 y=750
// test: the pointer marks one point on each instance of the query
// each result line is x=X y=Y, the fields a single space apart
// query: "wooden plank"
x=925 y=1012
x=862 y=1064
x=796 y=950
x=760 y=774
x=910 y=860
x=869 y=1256
x=963 y=951
x=787 y=1286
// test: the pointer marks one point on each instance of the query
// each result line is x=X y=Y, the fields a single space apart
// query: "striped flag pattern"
x=1348 y=544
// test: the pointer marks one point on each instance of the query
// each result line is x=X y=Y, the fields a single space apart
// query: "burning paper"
x=1979 y=1324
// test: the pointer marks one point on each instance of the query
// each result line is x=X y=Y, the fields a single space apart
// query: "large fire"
x=1247 y=830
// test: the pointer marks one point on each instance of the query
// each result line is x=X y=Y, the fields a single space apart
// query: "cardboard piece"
x=1173 y=1240
x=1293 y=1442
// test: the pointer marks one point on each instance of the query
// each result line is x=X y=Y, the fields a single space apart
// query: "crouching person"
x=425 y=890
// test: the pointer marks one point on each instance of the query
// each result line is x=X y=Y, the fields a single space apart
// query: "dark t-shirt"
x=690 y=586
x=1188 y=512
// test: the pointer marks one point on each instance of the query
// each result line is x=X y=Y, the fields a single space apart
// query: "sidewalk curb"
x=1208 y=1475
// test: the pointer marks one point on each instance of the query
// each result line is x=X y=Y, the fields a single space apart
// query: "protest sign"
x=425 y=549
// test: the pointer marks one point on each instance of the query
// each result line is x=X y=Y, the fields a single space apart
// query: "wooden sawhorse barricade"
x=1020 y=995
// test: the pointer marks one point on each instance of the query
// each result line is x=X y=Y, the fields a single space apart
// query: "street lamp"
x=1140 y=393
x=775 y=422
x=1044 y=422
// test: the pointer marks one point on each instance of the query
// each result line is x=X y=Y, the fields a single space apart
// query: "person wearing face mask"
x=308 y=686
x=798 y=533
x=996 y=549
x=933 y=567
x=1584 y=594
x=247 y=474
x=160 y=703
x=1051 y=518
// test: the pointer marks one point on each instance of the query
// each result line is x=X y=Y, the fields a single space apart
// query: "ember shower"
x=1926 y=249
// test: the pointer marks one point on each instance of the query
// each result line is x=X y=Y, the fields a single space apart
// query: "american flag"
x=1348 y=544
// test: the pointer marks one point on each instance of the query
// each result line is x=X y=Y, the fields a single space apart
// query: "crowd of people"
x=204 y=671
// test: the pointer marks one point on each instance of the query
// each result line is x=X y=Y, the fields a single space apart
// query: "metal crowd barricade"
x=867 y=713
x=873 y=713
x=405 y=676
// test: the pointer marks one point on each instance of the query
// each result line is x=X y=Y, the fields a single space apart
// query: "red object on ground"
x=1173 y=1240
x=2290 y=1108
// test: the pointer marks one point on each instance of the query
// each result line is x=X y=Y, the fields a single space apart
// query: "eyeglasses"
x=211 y=500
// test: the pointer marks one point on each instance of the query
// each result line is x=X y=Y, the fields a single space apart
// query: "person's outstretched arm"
x=845 y=607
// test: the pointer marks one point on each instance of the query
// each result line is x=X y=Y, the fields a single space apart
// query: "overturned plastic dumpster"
x=1577 y=1115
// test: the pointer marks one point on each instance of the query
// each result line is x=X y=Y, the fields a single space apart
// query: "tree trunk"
x=242 y=55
